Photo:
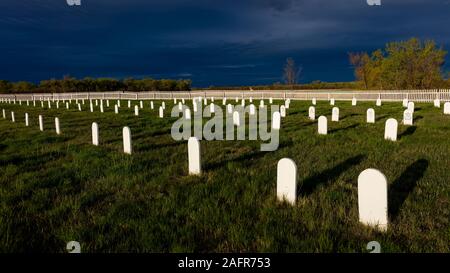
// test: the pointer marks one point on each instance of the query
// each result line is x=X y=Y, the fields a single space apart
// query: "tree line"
x=411 y=64
x=69 y=84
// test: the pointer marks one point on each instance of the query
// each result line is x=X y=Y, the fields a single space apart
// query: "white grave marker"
x=194 y=156
x=322 y=127
x=187 y=114
x=372 y=199
x=447 y=108
x=95 y=133
x=161 y=112
x=282 y=111
x=57 y=127
x=378 y=103
x=390 y=130
x=126 y=133
x=335 y=114
x=312 y=113
x=236 y=119
x=41 y=123
x=354 y=102
x=13 y=117
x=411 y=107
x=116 y=109
x=370 y=115
x=407 y=117
x=136 y=110
x=27 y=122
x=287 y=180
x=276 y=121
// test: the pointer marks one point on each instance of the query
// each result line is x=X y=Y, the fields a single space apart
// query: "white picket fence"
x=385 y=95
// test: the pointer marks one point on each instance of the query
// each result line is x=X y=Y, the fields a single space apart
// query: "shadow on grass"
x=246 y=158
x=343 y=128
x=380 y=117
x=404 y=185
x=311 y=183
x=409 y=131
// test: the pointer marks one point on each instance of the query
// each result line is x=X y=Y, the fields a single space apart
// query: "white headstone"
x=182 y=100
x=229 y=108
x=312 y=113
x=41 y=123
x=27 y=121
x=236 y=118
x=96 y=102
x=407 y=117
x=163 y=105
x=129 y=103
x=437 y=103
x=276 y=121
x=151 y=105
x=57 y=128
x=335 y=114
x=67 y=105
x=243 y=102
x=101 y=108
x=141 y=104
x=322 y=126
x=118 y=103
x=370 y=115
x=180 y=106
x=194 y=105
x=126 y=133
x=372 y=199
x=116 y=109
x=205 y=100
x=287 y=180
x=411 y=106
x=95 y=133
x=287 y=103
x=91 y=107
x=282 y=111
x=4 y=113
x=332 y=102
x=187 y=114
x=13 y=117
x=447 y=108
x=390 y=130
x=405 y=102
x=378 y=103
x=251 y=99
x=161 y=112
x=270 y=100
x=354 y=102
x=49 y=104
x=211 y=108
x=107 y=103
x=224 y=101
x=136 y=110
x=314 y=101
x=194 y=156
x=261 y=103
x=252 y=109
x=79 y=107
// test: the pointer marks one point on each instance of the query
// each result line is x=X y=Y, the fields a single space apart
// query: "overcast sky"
x=212 y=42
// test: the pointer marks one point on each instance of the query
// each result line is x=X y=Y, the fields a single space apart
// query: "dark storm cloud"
x=212 y=42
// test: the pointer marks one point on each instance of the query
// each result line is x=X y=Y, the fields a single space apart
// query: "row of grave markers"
x=40 y=118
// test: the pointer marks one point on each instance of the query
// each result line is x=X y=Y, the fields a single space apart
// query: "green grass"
x=55 y=189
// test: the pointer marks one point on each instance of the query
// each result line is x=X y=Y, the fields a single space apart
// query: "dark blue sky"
x=212 y=42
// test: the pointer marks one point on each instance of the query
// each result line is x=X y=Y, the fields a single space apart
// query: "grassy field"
x=55 y=189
